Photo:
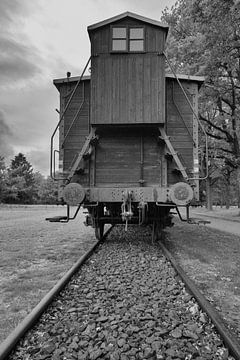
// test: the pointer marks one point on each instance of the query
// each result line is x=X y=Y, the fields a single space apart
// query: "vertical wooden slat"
x=138 y=93
x=147 y=89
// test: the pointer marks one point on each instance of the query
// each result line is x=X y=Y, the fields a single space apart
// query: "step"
x=57 y=219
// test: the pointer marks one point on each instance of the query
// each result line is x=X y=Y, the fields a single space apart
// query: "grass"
x=34 y=255
x=212 y=259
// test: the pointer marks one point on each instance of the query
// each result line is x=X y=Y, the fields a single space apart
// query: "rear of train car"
x=128 y=132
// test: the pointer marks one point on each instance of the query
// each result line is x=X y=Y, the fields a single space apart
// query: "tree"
x=205 y=40
x=2 y=179
x=48 y=191
x=20 y=181
x=39 y=181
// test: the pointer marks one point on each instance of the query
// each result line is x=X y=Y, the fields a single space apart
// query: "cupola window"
x=127 y=39
x=119 y=39
x=136 y=39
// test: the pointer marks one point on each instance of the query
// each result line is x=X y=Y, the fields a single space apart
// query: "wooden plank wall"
x=80 y=128
x=127 y=88
x=179 y=125
x=118 y=158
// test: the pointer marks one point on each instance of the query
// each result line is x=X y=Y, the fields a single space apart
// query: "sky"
x=40 y=41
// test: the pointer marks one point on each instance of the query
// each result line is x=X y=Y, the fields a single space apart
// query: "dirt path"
x=222 y=220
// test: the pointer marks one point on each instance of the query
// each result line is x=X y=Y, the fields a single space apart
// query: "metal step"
x=57 y=219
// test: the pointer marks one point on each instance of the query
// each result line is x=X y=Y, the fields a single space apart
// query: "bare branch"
x=228 y=102
x=218 y=137
x=227 y=151
x=228 y=136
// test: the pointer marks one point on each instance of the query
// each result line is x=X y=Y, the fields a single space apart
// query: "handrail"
x=54 y=161
x=196 y=116
x=61 y=118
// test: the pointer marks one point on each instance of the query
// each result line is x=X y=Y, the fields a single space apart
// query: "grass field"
x=34 y=255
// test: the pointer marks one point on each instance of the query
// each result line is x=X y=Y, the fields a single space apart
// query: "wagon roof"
x=131 y=15
x=59 y=82
x=198 y=79
x=186 y=77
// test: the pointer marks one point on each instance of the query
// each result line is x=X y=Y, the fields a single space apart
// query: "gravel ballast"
x=126 y=302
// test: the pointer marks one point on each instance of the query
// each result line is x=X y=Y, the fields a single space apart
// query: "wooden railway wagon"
x=128 y=144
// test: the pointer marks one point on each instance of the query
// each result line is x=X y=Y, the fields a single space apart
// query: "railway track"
x=126 y=301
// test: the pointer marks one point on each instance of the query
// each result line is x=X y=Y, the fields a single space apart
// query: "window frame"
x=118 y=38
x=128 y=39
x=136 y=39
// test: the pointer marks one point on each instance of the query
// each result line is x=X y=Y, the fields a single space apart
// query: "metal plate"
x=181 y=193
x=74 y=194
x=141 y=194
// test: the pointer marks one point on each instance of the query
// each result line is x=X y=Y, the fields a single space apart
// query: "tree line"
x=204 y=39
x=19 y=184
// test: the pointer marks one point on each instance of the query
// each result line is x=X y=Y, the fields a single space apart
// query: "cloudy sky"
x=41 y=40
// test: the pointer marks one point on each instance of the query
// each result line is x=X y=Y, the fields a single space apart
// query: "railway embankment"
x=126 y=303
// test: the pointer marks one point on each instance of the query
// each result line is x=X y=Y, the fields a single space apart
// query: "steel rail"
x=8 y=345
x=228 y=338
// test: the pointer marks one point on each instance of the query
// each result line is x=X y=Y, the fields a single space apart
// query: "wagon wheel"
x=99 y=224
x=157 y=231
x=99 y=230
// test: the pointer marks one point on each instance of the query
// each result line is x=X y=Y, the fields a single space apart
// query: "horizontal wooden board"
x=128 y=158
